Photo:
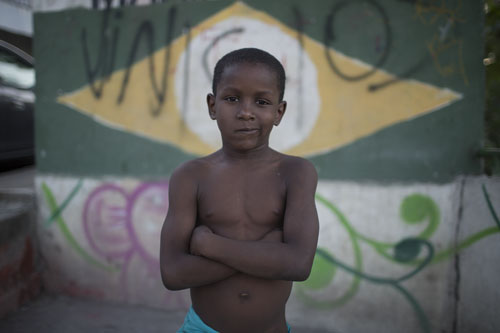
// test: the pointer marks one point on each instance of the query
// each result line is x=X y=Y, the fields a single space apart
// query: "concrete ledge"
x=20 y=265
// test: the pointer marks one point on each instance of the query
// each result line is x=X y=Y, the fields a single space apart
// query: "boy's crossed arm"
x=207 y=258
x=269 y=258
x=179 y=268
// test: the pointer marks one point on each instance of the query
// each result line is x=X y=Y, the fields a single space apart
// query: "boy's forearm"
x=264 y=259
x=191 y=271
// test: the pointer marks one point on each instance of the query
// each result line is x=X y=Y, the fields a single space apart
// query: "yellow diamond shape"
x=347 y=110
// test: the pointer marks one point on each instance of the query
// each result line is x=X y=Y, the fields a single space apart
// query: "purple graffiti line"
x=124 y=227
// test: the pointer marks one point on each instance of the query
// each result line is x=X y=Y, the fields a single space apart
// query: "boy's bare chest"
x=237 y=201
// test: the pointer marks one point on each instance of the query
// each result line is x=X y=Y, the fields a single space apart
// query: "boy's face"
x=247 y=105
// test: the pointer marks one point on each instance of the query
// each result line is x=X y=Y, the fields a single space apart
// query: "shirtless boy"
x=242 y=222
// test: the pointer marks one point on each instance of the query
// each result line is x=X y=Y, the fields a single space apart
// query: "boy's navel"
x=244 y=295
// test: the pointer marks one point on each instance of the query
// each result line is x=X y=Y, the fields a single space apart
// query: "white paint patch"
x=192 y=85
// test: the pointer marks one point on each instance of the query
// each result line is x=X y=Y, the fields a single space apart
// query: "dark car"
x=17 y=80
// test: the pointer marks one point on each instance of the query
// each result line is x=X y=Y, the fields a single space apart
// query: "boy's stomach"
x=242 y=303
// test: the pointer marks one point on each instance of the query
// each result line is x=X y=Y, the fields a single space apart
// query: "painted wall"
x=390 y=258
x=402 y=102
x=385 y=97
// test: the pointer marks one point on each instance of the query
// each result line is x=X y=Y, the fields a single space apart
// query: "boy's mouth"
x=247 y=130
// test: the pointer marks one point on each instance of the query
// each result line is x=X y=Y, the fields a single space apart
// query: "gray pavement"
x=63 y=314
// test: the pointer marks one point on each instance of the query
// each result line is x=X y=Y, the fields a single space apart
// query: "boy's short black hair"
x=250 y=56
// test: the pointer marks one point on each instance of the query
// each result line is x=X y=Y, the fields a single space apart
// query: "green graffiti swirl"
x=358 y=263
x=395 y=283
x=405 y=250
x=415 y=208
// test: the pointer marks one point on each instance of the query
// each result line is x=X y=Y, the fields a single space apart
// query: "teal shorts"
x=194 y=324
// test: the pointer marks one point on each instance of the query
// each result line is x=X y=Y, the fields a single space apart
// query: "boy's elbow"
x=303 y=267
x=302 y=274
x=171 y=285
x=302 y=270
x=170 y=280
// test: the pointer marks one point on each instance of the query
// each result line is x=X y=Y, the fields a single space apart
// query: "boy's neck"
x=258 y=153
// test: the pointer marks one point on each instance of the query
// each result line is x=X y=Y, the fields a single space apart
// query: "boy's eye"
x=262 y=102
x=231 y=99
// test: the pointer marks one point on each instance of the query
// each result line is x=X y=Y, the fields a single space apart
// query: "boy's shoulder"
x=295 y=165
x=292 y=166
x=191 y=167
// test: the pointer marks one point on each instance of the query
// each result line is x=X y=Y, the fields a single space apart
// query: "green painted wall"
x=435 y=43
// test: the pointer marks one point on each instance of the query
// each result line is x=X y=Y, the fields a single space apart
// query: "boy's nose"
x=245 y=113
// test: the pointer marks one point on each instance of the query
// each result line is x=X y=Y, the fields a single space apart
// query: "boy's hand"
x=198 y=238
x=275 y=235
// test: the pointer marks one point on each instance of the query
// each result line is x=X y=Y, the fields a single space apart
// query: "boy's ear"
x=279 y=113
x=211 y=106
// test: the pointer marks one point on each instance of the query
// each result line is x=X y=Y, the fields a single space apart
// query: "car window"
x=14 y=72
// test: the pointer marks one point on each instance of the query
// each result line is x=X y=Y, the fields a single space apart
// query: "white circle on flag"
x=193 y=78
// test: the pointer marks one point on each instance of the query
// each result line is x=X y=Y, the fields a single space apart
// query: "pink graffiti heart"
x=118 y=225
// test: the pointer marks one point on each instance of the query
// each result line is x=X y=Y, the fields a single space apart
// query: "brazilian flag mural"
x=376 y=90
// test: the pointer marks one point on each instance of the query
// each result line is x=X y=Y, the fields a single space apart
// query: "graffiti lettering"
x=146 y=29
x=106 y=55
x=214 y=42
x=99 y=74
x=438 y=48
x=330 y=37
